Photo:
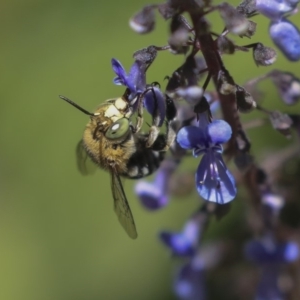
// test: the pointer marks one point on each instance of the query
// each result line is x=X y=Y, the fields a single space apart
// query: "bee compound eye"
x=118 y=129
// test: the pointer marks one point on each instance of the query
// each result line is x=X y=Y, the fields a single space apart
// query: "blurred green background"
x=59 y=237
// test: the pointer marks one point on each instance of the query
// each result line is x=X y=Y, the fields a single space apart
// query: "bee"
x=114 y=144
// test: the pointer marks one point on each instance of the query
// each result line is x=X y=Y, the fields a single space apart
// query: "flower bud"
x=235 y=22
x=264 y=56
x=245 y=102
x=144 y=20
x=288 y=86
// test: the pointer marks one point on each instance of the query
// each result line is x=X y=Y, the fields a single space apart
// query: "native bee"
x=115 y=144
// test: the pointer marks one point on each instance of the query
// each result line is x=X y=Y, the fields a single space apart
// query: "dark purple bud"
x=166 y=10
x=281 y=122
x=225 y=45
x=226 y=84
x=186 y=75
x=245 y=102
x=264 y=56
x=179 y=36
x=288 y=86
x=247 y=8
x=144 y=20
x=250 y=30
x=286 y=37
x=234 y=21
x=145 y=56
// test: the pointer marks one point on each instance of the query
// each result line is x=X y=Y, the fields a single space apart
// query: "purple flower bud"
x=281 y=122
x=234 y=21
x=247 y=8
x=225 y=45
x=264 y=56
x=245 y=101
x=286 y=37
x=226 y=84
x=288 y=86
x=274 y=9
x=250 y=30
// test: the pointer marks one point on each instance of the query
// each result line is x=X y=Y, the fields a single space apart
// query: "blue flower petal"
x=178 y=243
x=286 y=37
x=190 y=283
x=120 y=71
x=151 y=196
x=118 y=81
x=190 y=137
x=219 y=131
x=213 y=181
x=154 y=102
x=136 y=79
x=274 y=9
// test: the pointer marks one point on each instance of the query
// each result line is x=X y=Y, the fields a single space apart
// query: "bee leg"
x=140 y=119
x=153 y=134
x=170 y=135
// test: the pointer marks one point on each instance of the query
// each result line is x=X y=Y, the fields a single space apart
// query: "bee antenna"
x=76 y=105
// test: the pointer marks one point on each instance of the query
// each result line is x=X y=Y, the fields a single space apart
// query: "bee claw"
x=153 y=134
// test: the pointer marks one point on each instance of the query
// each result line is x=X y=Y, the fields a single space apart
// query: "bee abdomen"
x=143 y=163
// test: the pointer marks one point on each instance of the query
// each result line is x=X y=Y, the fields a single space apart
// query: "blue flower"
x=154 y=195
x=153 y=99
x=213 y=180
x=190 y=284
x=266 y=251
x=184 y=243
x=270 y=254
x=135 y=80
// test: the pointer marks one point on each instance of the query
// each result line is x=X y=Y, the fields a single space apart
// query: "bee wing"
x=121 y=205
x=84 y=163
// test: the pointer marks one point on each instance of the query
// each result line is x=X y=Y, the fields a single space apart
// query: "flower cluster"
x=208 y=126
